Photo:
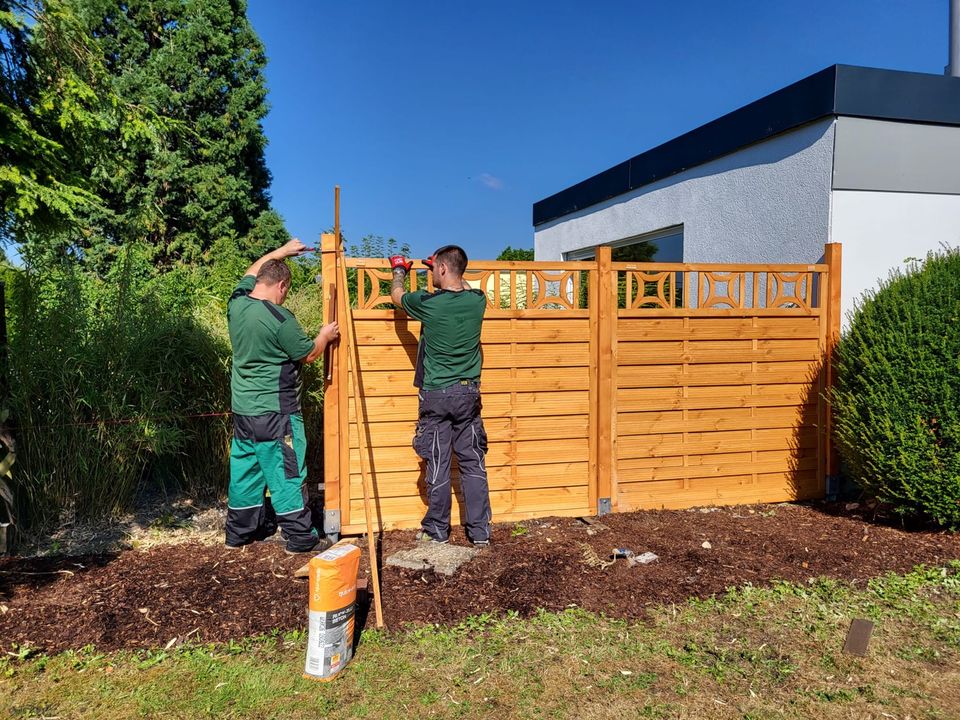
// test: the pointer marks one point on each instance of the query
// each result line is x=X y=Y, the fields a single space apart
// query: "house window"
x=664 y=245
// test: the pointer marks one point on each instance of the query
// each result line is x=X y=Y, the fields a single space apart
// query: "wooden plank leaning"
x=346 y=316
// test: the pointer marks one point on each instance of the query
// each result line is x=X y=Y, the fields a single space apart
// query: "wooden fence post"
x=334 y=380
x=832 y=255
x=606 y=408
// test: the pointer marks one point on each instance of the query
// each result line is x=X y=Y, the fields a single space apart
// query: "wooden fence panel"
x=718 y=385
x=536 y=391
x=605 y=386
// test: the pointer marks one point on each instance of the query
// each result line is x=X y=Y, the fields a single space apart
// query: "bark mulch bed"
x=172 y=594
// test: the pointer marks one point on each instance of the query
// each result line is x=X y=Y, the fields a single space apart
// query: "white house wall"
x=896 y=195
x=880 y=230
x=769 y=202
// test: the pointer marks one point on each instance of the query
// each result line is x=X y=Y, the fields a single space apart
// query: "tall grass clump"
x=897 y=401
x=105 y=373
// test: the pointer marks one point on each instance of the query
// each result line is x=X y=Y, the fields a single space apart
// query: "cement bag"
x=333 y=598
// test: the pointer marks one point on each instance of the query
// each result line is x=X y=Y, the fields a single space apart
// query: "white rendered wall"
x=879 y=230
x=769 y=202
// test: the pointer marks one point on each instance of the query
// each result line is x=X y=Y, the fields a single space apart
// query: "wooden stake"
x=347 y=320
x=336 y=213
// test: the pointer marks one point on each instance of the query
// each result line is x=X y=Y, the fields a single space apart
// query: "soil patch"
x=169 y=594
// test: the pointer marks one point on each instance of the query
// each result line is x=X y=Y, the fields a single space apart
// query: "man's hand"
x=398 y=263
x=401 y=267
x=330 y=333
x=291 y=248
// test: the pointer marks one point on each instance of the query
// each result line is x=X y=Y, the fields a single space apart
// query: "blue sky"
x=445 y=121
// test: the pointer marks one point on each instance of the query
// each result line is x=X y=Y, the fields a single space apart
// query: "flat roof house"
x=866 y=157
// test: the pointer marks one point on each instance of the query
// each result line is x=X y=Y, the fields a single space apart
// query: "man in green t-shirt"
x=448 y=375
x=269 y=447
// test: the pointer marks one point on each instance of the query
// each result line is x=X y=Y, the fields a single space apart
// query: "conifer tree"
x=203 y=189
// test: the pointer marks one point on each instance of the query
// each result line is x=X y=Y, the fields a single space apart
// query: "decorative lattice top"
x=641 y=287
x=716 y=287
x=507 y=285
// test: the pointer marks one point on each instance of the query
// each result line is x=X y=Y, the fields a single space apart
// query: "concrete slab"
x=444 y=559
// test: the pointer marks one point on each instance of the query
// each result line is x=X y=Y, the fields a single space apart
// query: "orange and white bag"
x=333 y=599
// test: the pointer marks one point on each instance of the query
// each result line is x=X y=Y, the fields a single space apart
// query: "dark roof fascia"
x=897 y=95
x=836 y=90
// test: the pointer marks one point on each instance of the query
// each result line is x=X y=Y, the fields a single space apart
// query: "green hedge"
x=103 y=374
x=897 y=401
x=121 y=381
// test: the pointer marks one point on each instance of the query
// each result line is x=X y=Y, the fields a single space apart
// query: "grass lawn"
x=754 y=653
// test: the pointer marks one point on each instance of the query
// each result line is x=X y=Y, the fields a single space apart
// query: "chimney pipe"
x=953 y=68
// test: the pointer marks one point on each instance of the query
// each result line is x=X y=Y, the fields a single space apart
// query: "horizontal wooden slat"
x=674 y=461
x=495 y=330
x=783 y=455
x=393 y=433
x=715 y=470
x=635 y=446
x=400 y=382
x=482 y=265
x=724 y=396
x=537 y=355
x=716 y=374
x=527 y=404
x=742 y=458
x=715 y=351
x=546 y=501
x=656 y=267
x=523 y=477
x=531 y=452
x=536 y=314
x=717 y=312
x=643 y=423
x=520 y=355
x=787 y=328
x=400 y=433
x=733 y=490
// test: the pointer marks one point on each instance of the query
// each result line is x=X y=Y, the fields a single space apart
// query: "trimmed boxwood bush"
x=897 y=400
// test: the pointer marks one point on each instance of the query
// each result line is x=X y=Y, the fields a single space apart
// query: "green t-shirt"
x=449 y=348
x=268 y=347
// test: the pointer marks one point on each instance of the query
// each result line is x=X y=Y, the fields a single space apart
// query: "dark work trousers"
x=450 y=423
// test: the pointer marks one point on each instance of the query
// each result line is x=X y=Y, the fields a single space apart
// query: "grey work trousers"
x=450 y=422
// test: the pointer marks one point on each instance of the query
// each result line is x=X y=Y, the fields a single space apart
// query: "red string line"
x=126 y=421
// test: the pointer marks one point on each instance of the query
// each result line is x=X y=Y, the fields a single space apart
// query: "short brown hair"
x=273 y=272
x=453 y=256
